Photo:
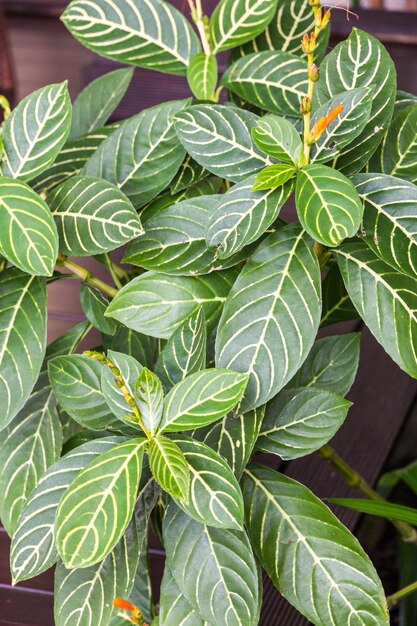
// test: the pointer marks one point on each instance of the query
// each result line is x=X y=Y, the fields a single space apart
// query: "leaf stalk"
x=393 y=599
x=86 y=275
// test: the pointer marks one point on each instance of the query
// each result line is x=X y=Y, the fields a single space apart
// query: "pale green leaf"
x=35 y=132
x=22 y=338
x=279 y=138
x=169 y=467
x=145 y=33
x=202 y=75
x=271 y=315
x=156 y=304
x=312 y=559
x=94 y=305
x=149 y=398
x=388 y=510
x=273 y=176
x=235 y=22
x=130 y=370
x=29 y=238
x=328 y=204
x=97 y=507
x=92 y=216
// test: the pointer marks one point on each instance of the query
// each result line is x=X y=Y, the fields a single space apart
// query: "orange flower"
x=321 y=124
x=120 y=603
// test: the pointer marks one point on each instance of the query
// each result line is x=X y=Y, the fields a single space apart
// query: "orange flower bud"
x=321 y=124
x=305 y=106
x=308 y=43
x=120 y=603
x=318 y=17
x=314 y=73
x=314 y=3
x=326 y=19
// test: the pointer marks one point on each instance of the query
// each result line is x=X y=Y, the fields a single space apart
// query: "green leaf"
x=385 y=299
x=35 y=132
x=202 y=398
x=202 y=75
x=97 y=507
x=273 y=176
x=92 y=216
x=33 y=550
x=349 y=123
x=156 y=304
x=233 y=437
x=66 y=343
x=299 y=421
x=94 y=304
x=312 y=559
x=388 y=510
x=29 y=238
x=337 y=306
x=279 y=138
x=174 y=241
x=142 y=593
x=98 y=100
x=214 y=495
x=84 y=596
x=219 y=138
x=243 y=215
x=369 y=65
x=271 y=315
x=219 y=559
x=235 y=22
x=149 y=398
x=75 y=381
x=143 y=155
x=390 y=219
x=185 y=351
x=397 y=154
x=328 y=204
x=404 y=99
x=130 y=370
x=273 y=81
x=174 y=607
x=332 y=364
x=147 y=34
x=72 y=158
x=190 y=172
x=169 y=467
x=131 y=343
x=22 y=338
x=28 y=446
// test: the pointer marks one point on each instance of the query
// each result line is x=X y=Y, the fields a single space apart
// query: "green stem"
x=86 y=275
x=393 y=600
x=354 y=479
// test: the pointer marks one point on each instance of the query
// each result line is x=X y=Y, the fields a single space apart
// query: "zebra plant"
x=208 y=351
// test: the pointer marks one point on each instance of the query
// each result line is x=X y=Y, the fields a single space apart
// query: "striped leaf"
x=273 y=81
x=131 y=343
x=233 y=437
x=235 y=22
x=279 y=138
x=337 y=306
x=169 y=467
x=143 y=155
x=67 y=342
x=146 y=33
x=92 y=216
x=72 y=158
x=155 y=304
x=299 y=421
x=274 y=176
x=397 y=154
x=219 y=138
x=312 y=559
x=331 y=365
x=369 y=65
x=22 y=338
x=271 y=315
x=185 y=351
x=83 y=597
x=404 y=99
x=328 y=204
x=385 y=299
x=35 y=132
x=243 y=215
x=97 y=507
x=350 y=122
x=29 y=238
x=202 y=398
x=174 y=607
x=149 y=398
x=202 y=75
x=75 y=381
x=214 y=496
x=97 y=101
x=189 y=173
x=390 y=219
x=130 y=370
x=94 y=305
x=28 y=446
x=33 y=550
x=218 y=559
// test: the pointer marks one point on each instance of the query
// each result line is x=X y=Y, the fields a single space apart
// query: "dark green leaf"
x=279 y=138
x=202 y=75
x=337 y=306
x=131 y=343
x=174 y=607
x=189 y=173
x=235 y=22
x=94 y=304
x=169 y=467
